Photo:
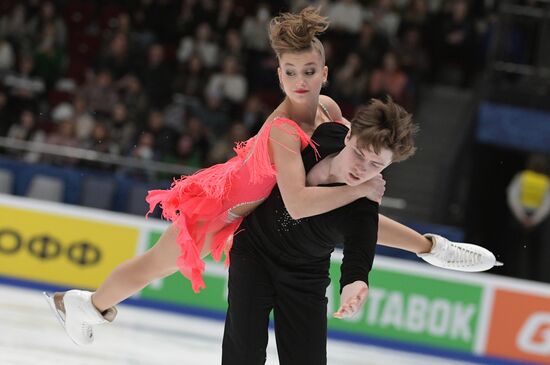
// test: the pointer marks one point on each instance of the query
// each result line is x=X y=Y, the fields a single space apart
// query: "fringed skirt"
x=199 y=204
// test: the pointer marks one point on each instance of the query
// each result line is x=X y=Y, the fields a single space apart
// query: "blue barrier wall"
x=514 y=127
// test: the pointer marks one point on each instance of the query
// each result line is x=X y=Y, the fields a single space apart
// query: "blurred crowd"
x=181 y=80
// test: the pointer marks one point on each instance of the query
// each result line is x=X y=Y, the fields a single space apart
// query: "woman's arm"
x=305 y=201
x=301 y=200
x=333 y=109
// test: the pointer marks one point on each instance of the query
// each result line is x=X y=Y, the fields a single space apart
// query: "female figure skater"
x=206 y=208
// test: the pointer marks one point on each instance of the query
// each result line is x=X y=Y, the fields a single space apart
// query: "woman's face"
x=302 y=74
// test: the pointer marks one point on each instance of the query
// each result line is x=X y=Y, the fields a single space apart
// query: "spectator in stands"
x=24 y=87
x=208 y=9
x=144 y=149
x=48 y=17
x=528 y=197
x=233 y=46
x=6 y=119
x=254 y=114
x=350 y=82
x=142 y=35
x=411 y=54
x=201 y=142
x=371 y=46
x=230 y=82
x=157 y=77
x=345 y=16
x=63 y=136
x=124 y=26
x=100 y=141
x=254 y=30
x=62 y=111
x=228 y=16
x=122 y=130
x=135 y=98
x=49 y=57
x=389 y=79
x=214 y=113
x=7 y=56
x=164 y=136
x=201 y=44
x=189 y=82
x=256 y=44
x=188 y=18
x=99 y=92
x=84 y=121
x=416 y=15
x=384 y=18
x=117 y=58
x=13 y=26
x=297 y=5
x=222 y=150
x=455 y=44
x=331 y=60
x=185 y=153
x=26 y=129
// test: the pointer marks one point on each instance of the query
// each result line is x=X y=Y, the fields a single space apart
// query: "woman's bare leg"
x=395 y=234
x=133 y=275
x=220 y=222
x=160 y=261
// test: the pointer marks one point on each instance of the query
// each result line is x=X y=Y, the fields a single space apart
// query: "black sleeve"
x=359 y=242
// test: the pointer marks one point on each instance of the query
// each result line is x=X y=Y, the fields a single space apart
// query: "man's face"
x=358 y=165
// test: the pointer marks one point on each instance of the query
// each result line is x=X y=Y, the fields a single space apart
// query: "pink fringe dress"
x=199 y=204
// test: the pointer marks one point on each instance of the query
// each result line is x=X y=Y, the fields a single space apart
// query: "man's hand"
x=373 y=189
x=352 y=299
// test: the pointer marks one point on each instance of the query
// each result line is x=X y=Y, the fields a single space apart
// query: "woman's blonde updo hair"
x=292 y=33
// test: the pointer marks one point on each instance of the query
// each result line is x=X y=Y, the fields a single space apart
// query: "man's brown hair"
x=289 y=33
x=381 y=124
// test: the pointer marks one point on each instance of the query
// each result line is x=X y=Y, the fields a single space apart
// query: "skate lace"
x=457 y=256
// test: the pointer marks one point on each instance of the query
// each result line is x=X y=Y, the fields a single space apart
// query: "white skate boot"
x=458 y=256
x=77 y=314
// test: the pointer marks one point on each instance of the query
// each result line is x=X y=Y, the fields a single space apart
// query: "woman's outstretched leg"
x=80 y=310
x=133 y=275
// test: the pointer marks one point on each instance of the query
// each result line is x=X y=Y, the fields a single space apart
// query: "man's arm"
x=359 y=245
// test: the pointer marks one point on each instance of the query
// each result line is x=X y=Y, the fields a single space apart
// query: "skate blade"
x=51 y=304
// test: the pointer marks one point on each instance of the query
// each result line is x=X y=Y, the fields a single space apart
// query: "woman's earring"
x=282 y=89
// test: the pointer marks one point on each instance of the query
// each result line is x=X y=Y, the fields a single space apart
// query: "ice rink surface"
x=30 y=334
